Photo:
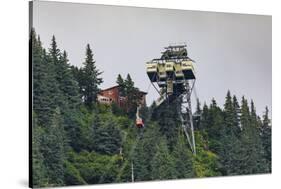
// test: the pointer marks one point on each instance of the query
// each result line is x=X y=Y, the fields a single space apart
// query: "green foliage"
x=124 y=174
x=141 y=166
x=169 y=123
x=231 y=148
x=266 y=138
x=45 y=87
x=95 y=168
x=117 y=110
x=67 y=83
x=144 y=150
x=162 y=165
x=212 y=123
x=122 y=85
x=205 y=162
x=54 y=51
x=197 y=115
x=72 y=175
x=39 y=177
x=254 y=161
x=53 y=150
x=79 y=77
x=128 y=90
x=78 y=141
x=183 y=159
x=107 y=136
x=91 y=78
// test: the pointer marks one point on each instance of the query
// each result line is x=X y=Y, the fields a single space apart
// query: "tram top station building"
x=112 y=95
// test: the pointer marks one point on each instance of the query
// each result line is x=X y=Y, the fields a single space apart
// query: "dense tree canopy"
x=128 y=90
x=76 y=140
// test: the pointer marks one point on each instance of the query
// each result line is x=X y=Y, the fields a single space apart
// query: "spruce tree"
x=121 y=83
x=169 y=122
x=133 y=96
x=237 y=112
x=64 y=92
x=72 y=144
x=253 y=153
x=54 y=150
x=230 y=150
x=140 y=163
x=67 y=83
x=39 y=176
x=204 y=119
x=197 y=115
x=214 y=127
x=55 y=75
x=144 y=151
x=40 y=101
x=205 y=162
x=107 y=138
x=182 y=157
x=261 y=166
x=78 y=76
x=45 y=87
x=54 y=51
x=72 y=175
x=162 y=164
x=229 y=112
x=129 y=84
x=91 y=78
x=266 y=137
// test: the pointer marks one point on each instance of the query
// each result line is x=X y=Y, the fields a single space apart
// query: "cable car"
x=178 y=71
x=162 y=75
x=188 y=69
x=151 y=70
x=139 y=123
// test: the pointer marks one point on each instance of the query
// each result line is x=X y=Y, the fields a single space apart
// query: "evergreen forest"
x=77 y=141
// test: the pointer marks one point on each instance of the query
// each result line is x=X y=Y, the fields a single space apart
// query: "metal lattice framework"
x=185 y=114
x=181 y=90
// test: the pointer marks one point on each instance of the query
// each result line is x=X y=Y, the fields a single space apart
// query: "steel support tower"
x=185 y=114
x=176 y=88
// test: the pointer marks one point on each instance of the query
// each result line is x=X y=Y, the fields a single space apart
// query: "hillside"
x=76 y=140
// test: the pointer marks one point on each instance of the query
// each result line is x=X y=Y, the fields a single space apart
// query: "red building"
x=112 y=94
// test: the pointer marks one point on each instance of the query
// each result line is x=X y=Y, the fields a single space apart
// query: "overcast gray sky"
x=232 y=51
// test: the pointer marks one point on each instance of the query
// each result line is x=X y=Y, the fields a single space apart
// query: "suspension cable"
x=195 y=93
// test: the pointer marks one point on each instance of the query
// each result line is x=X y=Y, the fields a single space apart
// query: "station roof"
x=117 y=86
